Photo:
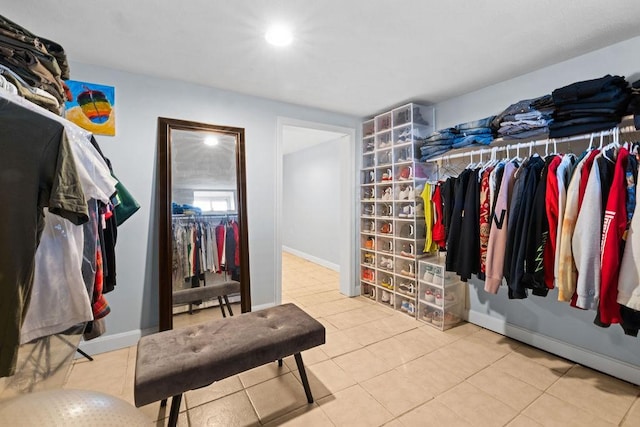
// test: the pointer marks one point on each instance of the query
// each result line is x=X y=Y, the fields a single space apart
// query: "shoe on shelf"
x=369 y=243
x=388 y=210
x=407 y=250
x=387 y=282
x=386 y=296
x=369 y=259
x=437 y=318
x=408 y=270
x=386 y=228
x=373 y=292
x=408 y=288
x=403 y=305
x=392 y=300
x=407 y=230
x=428 y=274
x=405 y=194
x=406 y=173
x=387 y=194
x=386 y=263
x=368 y=210
x=439 y=299
x=411 y=308
x=428 y=296
x=406 y=212
x=427 y=315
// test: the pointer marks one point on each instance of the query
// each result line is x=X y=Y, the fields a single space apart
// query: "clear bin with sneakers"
x=367 y=242
x=383 y=122
x=406 y=305
x=368 y=160
x=404 y=192
x=384 y=157
x=384 y=209
x=406 y=249
x=368 y=128
x=368 y=209
x=384 y=193
x=413 y=114
x=368 y=193
x=368 y=176
x=368 y=144
x=368 y=290
x=406 y=210
x=384 y=227
x=406 y=287
x=403 y=155
x=384 y=140
x=385 y=262
x=385 y=245
x=368 y=275
x=367 y=226
x=406 y=268
x=384 y=174
x=441 y=294
x=368 y=258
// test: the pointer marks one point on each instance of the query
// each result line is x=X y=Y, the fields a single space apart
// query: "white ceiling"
x=353 y=56
x=296 y=138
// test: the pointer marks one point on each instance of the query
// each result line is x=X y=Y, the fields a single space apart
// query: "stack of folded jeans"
x=477 y=132
x=589 y=106
x=437 y=143
x=524 y=119
x=31 y=62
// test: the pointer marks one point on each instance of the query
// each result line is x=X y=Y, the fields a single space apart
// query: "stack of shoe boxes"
x=441 y=294
x=392 y=224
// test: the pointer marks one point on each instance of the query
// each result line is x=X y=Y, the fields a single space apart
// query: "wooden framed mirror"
x=203 y=236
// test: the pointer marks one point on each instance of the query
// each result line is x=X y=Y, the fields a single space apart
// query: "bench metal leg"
x=280 y=363
x=222 y=306
x=175 y=410
x=226 y=300
x=163 y=403
x=303 y=377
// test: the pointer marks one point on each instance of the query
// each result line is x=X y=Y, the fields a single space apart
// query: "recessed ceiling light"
x=279 y=35
x=211 y=140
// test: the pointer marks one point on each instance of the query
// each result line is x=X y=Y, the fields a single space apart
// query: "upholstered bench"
x=172 y=362
x=201 y=293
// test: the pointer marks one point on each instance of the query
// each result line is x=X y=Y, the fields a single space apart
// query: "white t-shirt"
x=59 y=298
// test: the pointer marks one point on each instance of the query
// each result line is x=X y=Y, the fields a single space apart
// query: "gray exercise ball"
x=69 y=408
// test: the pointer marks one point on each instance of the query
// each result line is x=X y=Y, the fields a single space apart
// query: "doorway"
x=317 y=161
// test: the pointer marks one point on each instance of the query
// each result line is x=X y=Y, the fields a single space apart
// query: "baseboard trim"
x=113 y=342
x=602 y=363
x=262 y=306
x=315 y=259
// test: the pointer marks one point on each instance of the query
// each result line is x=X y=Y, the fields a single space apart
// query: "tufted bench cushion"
x=172 y=362
x=185 y=296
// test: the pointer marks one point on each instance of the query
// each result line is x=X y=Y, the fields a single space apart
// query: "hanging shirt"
x=429 y=244
x=563 y=173
x=484 y=215
x=613 y=229
x=439 y=236
x=586 y=242
x=38 y=172
x=468 y=261
x=498 y=235
x=551 y=201
x=455 y=224
x=567 y=273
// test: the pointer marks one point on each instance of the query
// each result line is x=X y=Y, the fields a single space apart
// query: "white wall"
x=545 y=322
x=139 y=101
x=311 y=202
x=621 y=59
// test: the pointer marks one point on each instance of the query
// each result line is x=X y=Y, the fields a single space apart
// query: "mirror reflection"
x=206 y=241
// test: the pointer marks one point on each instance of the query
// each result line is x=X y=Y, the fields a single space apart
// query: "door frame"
x=349 y=286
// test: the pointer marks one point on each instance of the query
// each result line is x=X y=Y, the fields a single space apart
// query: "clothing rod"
x=536 y=143
x=182 y=216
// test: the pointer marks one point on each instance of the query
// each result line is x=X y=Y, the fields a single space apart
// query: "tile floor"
x=380 y=367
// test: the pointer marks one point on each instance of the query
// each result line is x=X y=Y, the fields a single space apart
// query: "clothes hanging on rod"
x=550 y=208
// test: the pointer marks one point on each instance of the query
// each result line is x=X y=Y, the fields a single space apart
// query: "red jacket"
x=615 y=223
x=551 y=201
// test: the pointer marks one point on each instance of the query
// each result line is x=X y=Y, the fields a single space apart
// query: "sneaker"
x=369 y=243
x=386 y=228
x=386 y=296
x=406 y=212
x=428 y=274
x=386 y=246
x=386 y=175
x=408 y=270
x=392 y=299
x=437 y=318
x=386 y=194
x=407 y=231
x=407 y=250
x=386 y=263
x=406 y=173
x=404 y=305
x=387 y=210
x=368 y=210
x=404 y=194
x=411 y=308
x=428 y=296
x=408 y=288
x=367 y=194
x=369 y=259
x=373 y=292
x=439 y=299
x=427 y=315
x=387 y=282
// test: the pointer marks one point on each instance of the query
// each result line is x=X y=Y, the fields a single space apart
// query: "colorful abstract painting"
x=92 y=107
